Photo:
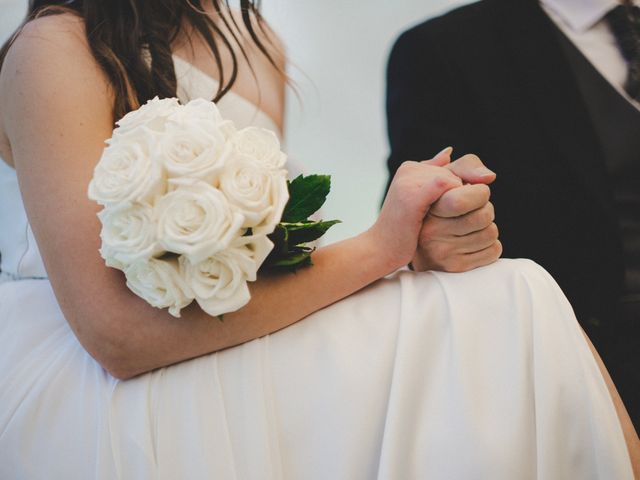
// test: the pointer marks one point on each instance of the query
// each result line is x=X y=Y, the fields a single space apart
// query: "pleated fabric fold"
x=442 y=376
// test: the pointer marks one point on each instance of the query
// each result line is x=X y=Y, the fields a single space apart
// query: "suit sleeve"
x=424 y=107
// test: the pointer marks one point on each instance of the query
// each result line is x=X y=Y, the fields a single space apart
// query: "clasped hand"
x=437 y=215
x=459 y=232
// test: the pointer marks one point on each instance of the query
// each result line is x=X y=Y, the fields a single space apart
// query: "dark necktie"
x=624 y=21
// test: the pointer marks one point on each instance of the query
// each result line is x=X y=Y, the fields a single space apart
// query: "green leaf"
x=279 y=237
x=291 y=260
x=308 y=231
x=294 y=261
x=306 y=196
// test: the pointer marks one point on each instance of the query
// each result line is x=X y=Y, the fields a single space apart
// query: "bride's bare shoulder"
x=54 y=42
x=49 y=59
x=57 y=34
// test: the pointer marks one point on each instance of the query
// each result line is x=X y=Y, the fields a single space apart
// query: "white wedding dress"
x=482 y=375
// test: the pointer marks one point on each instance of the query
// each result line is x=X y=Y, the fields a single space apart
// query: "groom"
x=548 y=94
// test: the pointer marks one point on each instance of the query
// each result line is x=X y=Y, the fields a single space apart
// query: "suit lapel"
x=530 y=39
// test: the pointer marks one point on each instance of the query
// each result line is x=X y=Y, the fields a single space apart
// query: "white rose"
x=258 y=192
x=261 y=145
x=255 y=249
x=202 y=114
x=191 y=150
x=199 y=111
x=159 y=283
x=219 y=283
x=126 y=172
x=152 y=115
x=228 y=129
x=196 y=220
x=128 y=234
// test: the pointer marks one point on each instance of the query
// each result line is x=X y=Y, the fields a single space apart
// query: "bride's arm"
x=56 y=112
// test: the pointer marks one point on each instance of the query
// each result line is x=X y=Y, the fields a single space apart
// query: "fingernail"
x=446 y=151
x=484 y=172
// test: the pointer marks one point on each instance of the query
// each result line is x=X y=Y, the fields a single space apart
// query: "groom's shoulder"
x=475 y=17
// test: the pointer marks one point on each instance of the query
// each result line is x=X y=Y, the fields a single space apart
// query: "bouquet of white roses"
x=193 y=206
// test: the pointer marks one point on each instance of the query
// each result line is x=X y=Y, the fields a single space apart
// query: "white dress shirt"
x=583 y=22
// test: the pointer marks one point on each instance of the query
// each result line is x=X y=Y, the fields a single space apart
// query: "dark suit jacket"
x=491 y=78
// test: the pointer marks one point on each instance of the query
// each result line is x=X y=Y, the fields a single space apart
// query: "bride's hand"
x=459 y=233
x=415 y=187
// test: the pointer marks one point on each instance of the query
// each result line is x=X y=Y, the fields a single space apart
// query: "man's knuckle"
x=406 y=168
x=456 y=204
x=476 y=221
x=441 y=178
x=485 y=237
x=407 y=164
x=486 y=216
x=493 y=231
x=485 y=193
x=497 y=248
x=492 y=211
x=471 y=159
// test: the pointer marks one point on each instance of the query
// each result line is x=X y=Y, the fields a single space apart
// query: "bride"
x=352 y=368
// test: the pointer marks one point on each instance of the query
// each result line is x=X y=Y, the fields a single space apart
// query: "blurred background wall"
x=11 y=14
x=337 y=51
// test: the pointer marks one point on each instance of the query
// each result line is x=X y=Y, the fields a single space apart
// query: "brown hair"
x=131 y=40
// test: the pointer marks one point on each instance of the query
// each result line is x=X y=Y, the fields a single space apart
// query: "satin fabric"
x=444 y=376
